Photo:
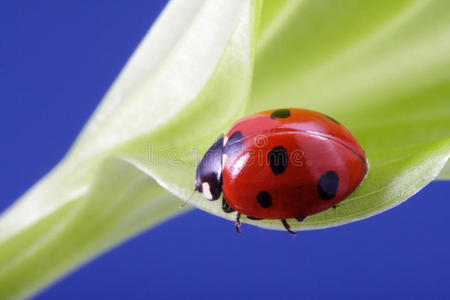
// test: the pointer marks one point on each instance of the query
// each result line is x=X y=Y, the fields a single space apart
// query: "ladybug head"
x=209 y=171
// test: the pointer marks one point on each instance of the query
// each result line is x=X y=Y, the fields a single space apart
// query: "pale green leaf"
x=121 y=202
x=382 y=68
x=204 y=69
x=445 y=172
x=385 y=76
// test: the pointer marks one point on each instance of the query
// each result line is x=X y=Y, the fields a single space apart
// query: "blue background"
x=57 y=60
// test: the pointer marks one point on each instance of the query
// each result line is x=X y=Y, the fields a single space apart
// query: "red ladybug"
x=280 y=164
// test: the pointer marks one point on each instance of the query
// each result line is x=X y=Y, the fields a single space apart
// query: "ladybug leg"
x=300 y=219
x=287 y=226
x=225 y=207
x=334 y=206
x=238 y=222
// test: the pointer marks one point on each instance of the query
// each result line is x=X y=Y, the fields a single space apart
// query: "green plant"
x=381 y=68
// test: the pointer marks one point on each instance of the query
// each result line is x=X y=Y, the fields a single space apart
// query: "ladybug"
x=281 y=164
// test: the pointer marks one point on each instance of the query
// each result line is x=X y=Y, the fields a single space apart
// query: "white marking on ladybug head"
x=206 y=190
x=225 y=140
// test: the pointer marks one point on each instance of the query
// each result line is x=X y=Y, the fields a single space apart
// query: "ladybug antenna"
x=195 y=156
x=187 y=200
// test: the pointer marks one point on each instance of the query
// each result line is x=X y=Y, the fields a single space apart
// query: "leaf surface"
x=381 y=68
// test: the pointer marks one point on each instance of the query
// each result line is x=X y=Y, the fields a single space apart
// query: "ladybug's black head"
x=209 y=171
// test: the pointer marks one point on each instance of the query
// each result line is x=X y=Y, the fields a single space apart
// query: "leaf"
x=121 y=202
x=379 y=67
x=227 y=77
x=445 y=172
x=398 y=110
x=209 y=55
x=171 y=69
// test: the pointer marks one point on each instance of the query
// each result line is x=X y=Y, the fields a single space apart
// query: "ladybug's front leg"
x=225 y=207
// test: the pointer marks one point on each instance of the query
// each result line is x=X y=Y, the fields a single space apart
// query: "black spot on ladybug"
x=281 y=113
x=225 y=207
x=327 y=185
x=233 y=145
x=332 y=119
x=253 y=218
x=278 y=159
x=264 y=199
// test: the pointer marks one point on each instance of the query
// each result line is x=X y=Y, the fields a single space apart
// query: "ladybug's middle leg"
x=238 y=222
x=287 y=226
